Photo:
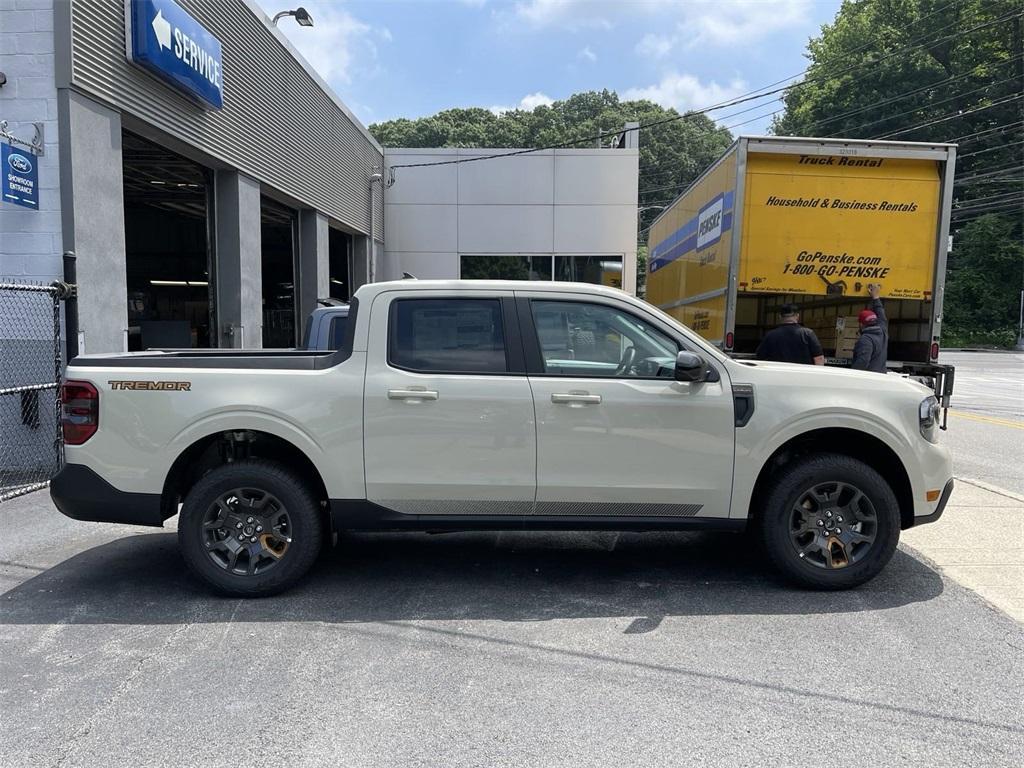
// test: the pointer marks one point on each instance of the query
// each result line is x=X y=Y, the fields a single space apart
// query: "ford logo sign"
x=19 y=163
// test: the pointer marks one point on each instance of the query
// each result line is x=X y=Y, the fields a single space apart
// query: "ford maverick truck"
x=473 y=405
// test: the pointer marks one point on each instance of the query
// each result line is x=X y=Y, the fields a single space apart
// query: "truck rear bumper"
x=81 y=494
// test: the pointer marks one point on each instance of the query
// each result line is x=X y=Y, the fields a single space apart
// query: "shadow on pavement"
x=508 y=577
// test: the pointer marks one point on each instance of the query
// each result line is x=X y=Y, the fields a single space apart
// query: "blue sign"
x=21 y=177
x=166 y=40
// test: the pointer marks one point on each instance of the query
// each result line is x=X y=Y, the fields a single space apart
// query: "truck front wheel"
x=829 y=522
x=250 y=529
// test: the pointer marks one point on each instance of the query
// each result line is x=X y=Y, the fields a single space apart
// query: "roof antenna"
x=407 y=276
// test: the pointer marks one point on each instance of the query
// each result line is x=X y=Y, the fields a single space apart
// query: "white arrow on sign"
x=162 y=27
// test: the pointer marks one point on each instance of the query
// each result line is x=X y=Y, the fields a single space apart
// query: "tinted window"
x=336 y=334
x=447 y=336
x=581 y=339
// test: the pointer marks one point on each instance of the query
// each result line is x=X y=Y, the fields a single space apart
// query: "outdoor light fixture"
x=301 y=16
x=3 y=79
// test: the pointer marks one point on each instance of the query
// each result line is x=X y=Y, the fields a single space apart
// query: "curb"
x=991 y=488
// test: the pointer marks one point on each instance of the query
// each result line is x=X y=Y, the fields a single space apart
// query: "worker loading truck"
x=810 y=222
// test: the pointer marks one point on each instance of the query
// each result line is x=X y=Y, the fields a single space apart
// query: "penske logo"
x=153 y=386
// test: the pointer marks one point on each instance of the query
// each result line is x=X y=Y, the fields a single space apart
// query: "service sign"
x=831 y=225
x=164 y=39
x=21 y=177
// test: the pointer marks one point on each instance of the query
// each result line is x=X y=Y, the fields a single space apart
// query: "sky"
x=410 y=58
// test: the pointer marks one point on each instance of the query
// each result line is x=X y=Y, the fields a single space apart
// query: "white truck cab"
x=461 y=405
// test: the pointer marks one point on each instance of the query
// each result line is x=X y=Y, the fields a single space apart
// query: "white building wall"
x=561 y=202
x=30 y=241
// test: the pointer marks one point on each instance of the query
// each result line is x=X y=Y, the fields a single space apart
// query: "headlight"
x=928 y=418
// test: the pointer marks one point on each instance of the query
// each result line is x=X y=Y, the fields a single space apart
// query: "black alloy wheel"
x=250 y=528
x=833 y=525
x=828 y=521
x=247 y=531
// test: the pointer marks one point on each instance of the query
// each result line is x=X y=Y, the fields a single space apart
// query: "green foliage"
x=983 y=284
x=641 y=271
x=884 y=66
x=671 y=155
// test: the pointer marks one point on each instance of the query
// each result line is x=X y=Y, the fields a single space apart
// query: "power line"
x=950 y=117
x=934 y=103
x=970 y=137
x=818 y=124
x=751 y=96
x=985 y=199
x=990 y=149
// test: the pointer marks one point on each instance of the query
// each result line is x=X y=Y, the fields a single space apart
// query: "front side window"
x=595 y=340
x=447 y=336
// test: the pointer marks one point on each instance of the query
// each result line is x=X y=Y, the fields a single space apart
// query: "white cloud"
x=738 y=21
x=533 y=100
x=336 y=42
x=723 y=23
x=683 y=92
x=570 y=14
x=655 y=46
x=716 y=21
x=529 y=102
x=586 y=54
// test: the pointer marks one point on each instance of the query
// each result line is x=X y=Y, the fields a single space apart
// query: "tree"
x=935 y=71
x=672 y=154
x=984 y=284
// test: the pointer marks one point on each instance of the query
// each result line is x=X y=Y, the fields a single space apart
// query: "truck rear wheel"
x=250 y=529
x=829 y=522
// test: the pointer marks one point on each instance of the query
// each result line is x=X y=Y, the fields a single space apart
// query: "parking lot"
x=491 y=649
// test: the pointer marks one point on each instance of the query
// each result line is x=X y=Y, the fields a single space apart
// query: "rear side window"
x=447 y=336
x=336 y=334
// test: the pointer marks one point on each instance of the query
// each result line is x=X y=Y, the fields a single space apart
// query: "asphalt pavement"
x=986 y=422
x=491 y=650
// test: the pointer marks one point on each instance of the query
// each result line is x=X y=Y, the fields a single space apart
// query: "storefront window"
x=600 y=270
x=505 y=267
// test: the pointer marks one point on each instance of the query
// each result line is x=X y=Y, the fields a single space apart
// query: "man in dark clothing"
x=790 y=342
x=872 y=348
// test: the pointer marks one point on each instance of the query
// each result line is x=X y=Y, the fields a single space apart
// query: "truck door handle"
x=581 y=398
x=412 y=394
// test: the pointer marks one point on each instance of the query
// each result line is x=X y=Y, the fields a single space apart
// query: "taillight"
x=935 y=350
x=79 y=411
x=729 y=339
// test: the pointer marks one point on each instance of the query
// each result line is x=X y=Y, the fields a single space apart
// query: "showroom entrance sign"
x=164 y=39
x=21 y=177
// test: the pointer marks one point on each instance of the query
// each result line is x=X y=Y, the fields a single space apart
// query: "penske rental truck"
x=811 y=222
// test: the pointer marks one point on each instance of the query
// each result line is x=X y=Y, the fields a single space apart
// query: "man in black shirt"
x=790 y=342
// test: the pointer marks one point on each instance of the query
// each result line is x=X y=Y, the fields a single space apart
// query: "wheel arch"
x=856 y=444
x=224 y=447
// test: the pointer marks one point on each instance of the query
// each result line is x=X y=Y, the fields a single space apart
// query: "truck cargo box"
x=809 y=221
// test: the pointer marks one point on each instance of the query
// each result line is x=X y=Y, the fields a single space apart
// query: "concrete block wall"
x=30 y=241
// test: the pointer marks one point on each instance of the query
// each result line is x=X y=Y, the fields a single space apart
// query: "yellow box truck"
x=812 y=222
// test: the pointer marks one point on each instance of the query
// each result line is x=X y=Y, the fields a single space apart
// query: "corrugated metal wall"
x=277 y=124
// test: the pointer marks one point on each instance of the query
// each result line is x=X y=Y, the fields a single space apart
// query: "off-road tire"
x=304 y=514
x=773 y=523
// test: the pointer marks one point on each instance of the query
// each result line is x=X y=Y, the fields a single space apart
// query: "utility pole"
x=1020 y=324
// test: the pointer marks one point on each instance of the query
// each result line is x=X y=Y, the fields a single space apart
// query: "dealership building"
x=213 y=187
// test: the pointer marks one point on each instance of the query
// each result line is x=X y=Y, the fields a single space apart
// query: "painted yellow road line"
x=987 y=419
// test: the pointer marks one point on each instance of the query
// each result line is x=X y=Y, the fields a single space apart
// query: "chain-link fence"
x=30 y=371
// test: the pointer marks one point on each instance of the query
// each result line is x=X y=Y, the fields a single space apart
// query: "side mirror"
x=690 y=367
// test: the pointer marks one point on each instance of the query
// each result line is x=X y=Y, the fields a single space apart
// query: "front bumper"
x=943 y=499
x=81 y=494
